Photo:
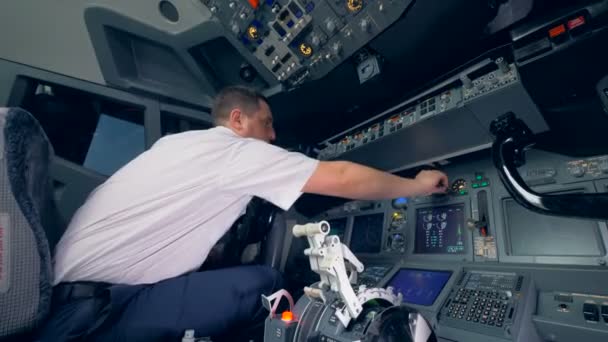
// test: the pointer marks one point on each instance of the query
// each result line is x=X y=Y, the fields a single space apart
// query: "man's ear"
x=236 y=119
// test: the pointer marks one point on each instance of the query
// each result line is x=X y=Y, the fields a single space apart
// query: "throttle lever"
x=512 y=139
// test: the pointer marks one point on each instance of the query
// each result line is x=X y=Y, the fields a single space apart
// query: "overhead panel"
x=302 y=40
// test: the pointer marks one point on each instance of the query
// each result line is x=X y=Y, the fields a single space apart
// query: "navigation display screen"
x=367 y=233
x=420 y=287
x=440 y=230
x=338 y=227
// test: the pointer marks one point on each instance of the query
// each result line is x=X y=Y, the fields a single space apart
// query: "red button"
x=576 y=22
x=557 y=30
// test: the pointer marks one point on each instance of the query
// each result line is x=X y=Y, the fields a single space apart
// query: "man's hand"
x=431 y=182
x=355 y=181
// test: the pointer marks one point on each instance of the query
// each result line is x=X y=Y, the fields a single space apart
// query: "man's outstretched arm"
x=355 y=181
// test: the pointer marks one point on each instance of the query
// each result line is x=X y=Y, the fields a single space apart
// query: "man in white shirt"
x=126 y=266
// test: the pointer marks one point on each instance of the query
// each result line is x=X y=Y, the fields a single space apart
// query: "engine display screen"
x=367 y=233
x=420 y=287
x=338 y=227
x=440 y=230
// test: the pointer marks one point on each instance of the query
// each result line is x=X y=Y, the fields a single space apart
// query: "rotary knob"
x=445 y=98
x=232 y=5
x=364 y=24
x=235 y=29
x=213 y=9
x=502 y=65
x=316 y=40
x=336 y=48
x=331 y=26
x=603 y=165
x=577 y=171
x=466 y=81
x=396 y=241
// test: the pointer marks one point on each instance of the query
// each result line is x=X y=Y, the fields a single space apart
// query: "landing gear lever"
x=512 y=139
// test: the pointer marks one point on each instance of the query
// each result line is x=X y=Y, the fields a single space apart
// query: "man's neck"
x=223 y=126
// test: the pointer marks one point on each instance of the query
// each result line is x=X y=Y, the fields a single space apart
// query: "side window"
x=116 y=141
x=98 y=133
x=172 y=123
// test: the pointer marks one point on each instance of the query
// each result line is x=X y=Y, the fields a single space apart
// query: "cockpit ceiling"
x=428 y=39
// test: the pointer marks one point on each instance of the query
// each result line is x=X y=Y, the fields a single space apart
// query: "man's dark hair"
x=244 y=98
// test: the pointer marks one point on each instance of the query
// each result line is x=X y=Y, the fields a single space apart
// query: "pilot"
x=126 y=267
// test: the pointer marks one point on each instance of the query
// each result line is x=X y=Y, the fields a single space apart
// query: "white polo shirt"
x=159 y=216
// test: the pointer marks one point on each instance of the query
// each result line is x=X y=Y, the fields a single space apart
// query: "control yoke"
x=512 y=139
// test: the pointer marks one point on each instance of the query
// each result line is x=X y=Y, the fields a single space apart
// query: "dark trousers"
x=213 y=303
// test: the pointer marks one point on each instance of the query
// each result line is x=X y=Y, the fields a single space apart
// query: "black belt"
x=65 y=292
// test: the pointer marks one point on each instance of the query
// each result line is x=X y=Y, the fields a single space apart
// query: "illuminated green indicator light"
x=478 y=177
x=475 y=185
x=484 y=184
x=463 y=192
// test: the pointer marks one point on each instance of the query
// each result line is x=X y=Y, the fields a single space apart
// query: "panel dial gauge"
x=396 y=242
x=354 y=5
x=459 y=186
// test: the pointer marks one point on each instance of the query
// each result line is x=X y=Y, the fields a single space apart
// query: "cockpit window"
x=93 y=131
x=115 y=142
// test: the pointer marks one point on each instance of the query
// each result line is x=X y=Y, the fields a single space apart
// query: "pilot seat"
x=29 y=225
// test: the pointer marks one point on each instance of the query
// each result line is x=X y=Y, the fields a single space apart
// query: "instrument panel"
x=485 y=301
x=481 y=267
x=429 y=225
x=464 y=91
x=477 y=220
x=297 y=40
